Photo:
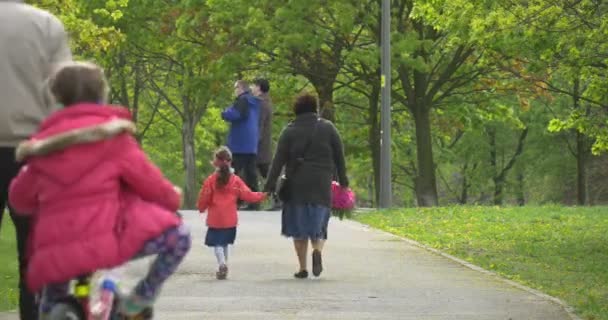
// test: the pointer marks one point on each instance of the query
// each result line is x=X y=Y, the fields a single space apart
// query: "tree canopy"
x=494 y=102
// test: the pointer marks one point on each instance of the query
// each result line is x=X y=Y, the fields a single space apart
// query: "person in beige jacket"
x=32 y=42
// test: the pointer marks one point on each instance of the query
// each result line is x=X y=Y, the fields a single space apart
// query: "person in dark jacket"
x=260 y=89
x=243 y=137
x=306 y=211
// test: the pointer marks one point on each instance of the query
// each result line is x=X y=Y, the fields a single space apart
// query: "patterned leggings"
x=171 y=248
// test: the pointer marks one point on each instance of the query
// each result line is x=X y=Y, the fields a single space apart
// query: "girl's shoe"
x=302 y=274
x=222 y=273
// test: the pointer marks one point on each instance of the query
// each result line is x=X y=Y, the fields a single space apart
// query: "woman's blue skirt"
x=305 y=221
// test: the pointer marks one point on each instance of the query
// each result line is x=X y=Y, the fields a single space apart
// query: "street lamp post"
x=385 y=114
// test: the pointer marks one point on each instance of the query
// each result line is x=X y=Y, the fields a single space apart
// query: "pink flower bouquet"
x=343 y=200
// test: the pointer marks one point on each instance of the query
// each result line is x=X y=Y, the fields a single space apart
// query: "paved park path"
x=368 y=275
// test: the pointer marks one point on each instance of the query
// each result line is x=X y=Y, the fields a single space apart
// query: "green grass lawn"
x=562 y=251
x=8 y=266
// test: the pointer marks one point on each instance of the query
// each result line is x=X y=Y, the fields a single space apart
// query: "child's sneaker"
x=222 y=273
x=134 y=307
x=146 y=314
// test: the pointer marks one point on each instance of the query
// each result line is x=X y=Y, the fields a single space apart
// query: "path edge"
x=568 y=309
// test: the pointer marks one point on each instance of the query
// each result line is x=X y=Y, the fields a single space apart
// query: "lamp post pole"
x=386 y=192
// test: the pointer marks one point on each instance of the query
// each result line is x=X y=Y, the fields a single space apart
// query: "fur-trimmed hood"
x=75 y=141
x=66 y=139
x=83 y=172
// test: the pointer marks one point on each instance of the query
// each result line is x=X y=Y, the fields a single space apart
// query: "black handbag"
x=284 y=185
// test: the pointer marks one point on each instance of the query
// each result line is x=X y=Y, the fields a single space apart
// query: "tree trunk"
x=124 y=91
x=132 y=105
x=500 y=175
x=326 y=101
x=581 y=153
x=135 y=106
x=498 y=196
x=491 y=132
x=581 y=169
x=136 y=91
x=464 y=192
x=521 y=198
x=188 y=148
x=371 y=192
x=426 y=182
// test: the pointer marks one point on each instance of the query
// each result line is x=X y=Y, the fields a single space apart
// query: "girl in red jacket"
x=219 y=196
x=95 y=199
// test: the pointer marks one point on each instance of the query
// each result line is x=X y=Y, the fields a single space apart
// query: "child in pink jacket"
x=95 y=199
x=218 y=197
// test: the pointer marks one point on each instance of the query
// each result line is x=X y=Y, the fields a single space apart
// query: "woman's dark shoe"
x=317 y=263
x=302 y=274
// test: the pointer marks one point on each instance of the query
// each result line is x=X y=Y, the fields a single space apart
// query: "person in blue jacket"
x=243 y=136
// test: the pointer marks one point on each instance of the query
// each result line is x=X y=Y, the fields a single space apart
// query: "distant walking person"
x=218 y=197
x=260 y=89
x=32 y=41
x=311 y=151
x=243 y=137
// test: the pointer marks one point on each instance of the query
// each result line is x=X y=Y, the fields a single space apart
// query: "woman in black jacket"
x=311 y=151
